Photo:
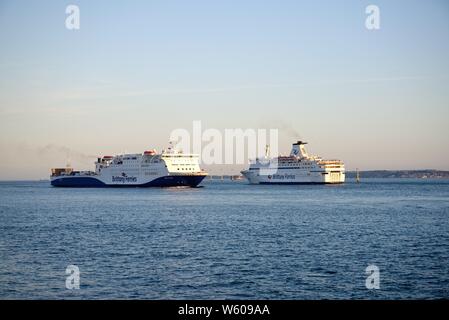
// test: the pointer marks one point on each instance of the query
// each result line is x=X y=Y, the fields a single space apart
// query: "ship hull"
x=299 y=177
x=93 y=182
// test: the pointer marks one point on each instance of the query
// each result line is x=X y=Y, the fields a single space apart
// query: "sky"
x=136 y=70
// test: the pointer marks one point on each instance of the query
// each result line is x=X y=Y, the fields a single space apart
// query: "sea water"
x=226 y=240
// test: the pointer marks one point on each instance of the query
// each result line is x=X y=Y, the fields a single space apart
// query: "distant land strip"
x=419 y=174
x=411 y=174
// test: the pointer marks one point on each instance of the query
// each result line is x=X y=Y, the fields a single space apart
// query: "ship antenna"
x=267 y=150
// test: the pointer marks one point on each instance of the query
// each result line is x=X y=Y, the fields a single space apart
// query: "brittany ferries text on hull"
x=167 y=169
x=297 y=168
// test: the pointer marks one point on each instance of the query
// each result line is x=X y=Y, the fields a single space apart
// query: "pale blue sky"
x=138 y=69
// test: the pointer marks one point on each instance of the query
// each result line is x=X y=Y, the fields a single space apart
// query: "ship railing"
x=330 y=162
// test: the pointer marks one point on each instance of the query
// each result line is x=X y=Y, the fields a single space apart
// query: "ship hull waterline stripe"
x=166 y=181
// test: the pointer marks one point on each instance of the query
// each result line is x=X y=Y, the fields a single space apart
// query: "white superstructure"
x=297 y=168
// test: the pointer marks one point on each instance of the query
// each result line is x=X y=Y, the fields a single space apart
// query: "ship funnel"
x=298 y=150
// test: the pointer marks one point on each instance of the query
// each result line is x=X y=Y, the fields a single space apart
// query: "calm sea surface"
x=227 y=240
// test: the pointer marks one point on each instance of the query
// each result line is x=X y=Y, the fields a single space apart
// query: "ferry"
x=150 y=169
x=297 y=168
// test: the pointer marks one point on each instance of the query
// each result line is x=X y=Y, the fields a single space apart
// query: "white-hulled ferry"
x=150 y=169
x=297 y=168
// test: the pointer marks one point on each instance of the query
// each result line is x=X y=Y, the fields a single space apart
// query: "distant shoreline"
x=387 y=174
x=418 y=174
